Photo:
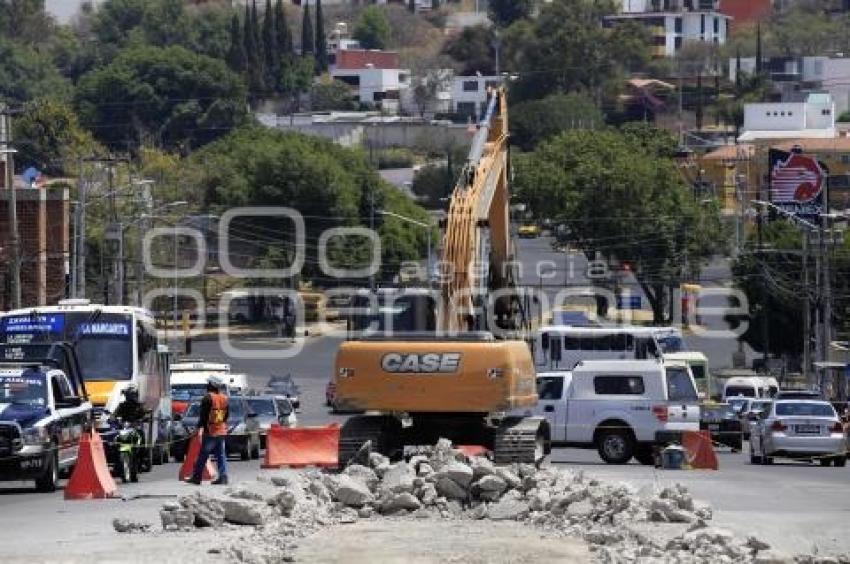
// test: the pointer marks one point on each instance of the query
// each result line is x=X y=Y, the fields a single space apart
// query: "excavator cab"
x=389 y=311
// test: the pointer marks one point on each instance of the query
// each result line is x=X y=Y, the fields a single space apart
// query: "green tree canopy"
x=308 y=41
x=331 y=95
x=324 y=182
x=372 y=29
x=26 y=74
x=505 y=12
x=170 y=96
x=49 y=137
x=472 y=50
x=620 y=197
x=538 y=120
x=24 y=21
x=321 y=40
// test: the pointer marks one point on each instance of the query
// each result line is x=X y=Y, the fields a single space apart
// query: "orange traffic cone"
x=91 y=478
x=189 y=462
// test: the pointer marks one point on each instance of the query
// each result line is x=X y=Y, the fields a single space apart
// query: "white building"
x=794 y=78
x=469 y=94
x=812 y=119
x=672 y=23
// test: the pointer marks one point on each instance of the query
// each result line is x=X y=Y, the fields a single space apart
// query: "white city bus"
x=561 y=347
x=116 y=346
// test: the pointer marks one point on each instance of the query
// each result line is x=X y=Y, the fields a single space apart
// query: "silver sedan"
x=802 y=429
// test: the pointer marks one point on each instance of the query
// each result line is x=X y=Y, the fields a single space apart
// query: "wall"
x=774 y=117
x=43 y=236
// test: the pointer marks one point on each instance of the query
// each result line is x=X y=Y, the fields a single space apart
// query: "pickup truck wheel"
x=644 y=455
x=840 y=461
x=615 y=447
x=49 y=481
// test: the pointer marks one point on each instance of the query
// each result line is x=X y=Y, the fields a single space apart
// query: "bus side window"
x=544 y=341
x=630 y=343
x=618 y=342
x=640 y=349
x=572 y=343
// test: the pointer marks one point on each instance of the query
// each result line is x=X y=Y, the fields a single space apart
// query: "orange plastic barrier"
x=189 y=462
x=699 y=450
x=302 y=446
x=91 y=478
x=472 y=450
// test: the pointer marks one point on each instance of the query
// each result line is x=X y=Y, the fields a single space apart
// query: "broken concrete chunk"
x=377 y=459
x=362 y=474
x=208 y=511
x=404 y=501
x=398 y=479
x=245 y=512
x=480 y=467
x=450 y=489
x=177 y=519
x=510 y=478
x=351 y=492
x=491 y=483
x=508 y=509
x=459 y=472
x=130 y=526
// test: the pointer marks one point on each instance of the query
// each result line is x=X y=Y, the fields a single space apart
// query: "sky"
x=64 y=10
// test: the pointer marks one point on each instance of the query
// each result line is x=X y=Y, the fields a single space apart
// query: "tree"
x=844 y=117
x=257 y=166
x=567 y=48
x=505 y=12
x=169 y=96
x=321 y=40
x=308 y=45
x=472 y=50
x=539 y=120
x=284 y=34
x=372 y=29
x=271 y=52
x=49 y=137
x=236 y=57
x=165 y=23
x=331 y=95
x=253 y=56
x=622 y=197
x=24 y=21
x=26 y=74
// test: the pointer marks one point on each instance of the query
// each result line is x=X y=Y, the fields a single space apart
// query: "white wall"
x=478 y=96
x=774 y=117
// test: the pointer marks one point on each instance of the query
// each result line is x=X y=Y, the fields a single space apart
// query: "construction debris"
x=619 y=523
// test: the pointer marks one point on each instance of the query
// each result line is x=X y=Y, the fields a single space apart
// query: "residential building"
x=469 y=94
x=374 y=76
x=672 y=23
x=794 y=78
x=814 y=118
x=745 y=13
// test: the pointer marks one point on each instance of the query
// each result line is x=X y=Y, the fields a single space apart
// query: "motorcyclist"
x=131 y=409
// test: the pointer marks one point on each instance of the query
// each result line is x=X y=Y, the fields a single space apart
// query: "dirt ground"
x=411 y=541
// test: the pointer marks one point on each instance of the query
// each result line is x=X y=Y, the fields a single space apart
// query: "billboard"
x=797 y=183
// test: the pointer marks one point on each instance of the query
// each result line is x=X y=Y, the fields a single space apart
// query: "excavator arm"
x=477 y=278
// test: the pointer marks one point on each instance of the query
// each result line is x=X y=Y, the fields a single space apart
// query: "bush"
x=395 y=158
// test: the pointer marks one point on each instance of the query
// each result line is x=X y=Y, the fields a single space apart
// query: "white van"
x=746 y=386
x=621 y=408
x=560 y=347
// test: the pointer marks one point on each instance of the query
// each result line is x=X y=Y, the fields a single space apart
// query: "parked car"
x=752 y=406
x=271 y=409
x=528 y=231
x=284 y=385
x=801 y=429
x=243 y=429
x=723 y=423
x=621 y=408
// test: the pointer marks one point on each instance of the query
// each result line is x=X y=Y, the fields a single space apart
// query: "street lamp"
x=420 y=224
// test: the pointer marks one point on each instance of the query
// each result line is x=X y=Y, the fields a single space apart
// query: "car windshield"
x=28 y=389
x=718 y=411
x=194 y=410
x=671 y=344
x=738 y=404
x=262 y=406
x=746 y=391
x=186 y=392
x=805 y=409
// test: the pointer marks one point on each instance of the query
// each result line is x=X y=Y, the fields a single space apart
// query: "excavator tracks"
x=520 y=439
x=363 y=434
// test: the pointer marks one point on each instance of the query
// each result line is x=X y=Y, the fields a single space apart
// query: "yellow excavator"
x=449 y=361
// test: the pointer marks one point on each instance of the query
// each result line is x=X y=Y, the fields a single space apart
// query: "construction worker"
x=212 y=424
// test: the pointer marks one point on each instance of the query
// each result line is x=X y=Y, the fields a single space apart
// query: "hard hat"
x=215 y=382
x=130 y=389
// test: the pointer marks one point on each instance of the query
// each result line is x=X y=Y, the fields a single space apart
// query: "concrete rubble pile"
x=619 y=523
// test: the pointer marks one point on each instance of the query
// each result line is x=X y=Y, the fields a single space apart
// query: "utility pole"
x=14 y=242
x=807 y=314
x=80 y=240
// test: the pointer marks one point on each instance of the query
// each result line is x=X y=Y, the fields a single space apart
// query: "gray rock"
x=756 y=543
x=285 y=502
x=459 y=473
x=255 y=491
x=478 y=512
x=362 y=474
x=582 y=508
x=177 y=519
x=667 y=510
x=171 y=506
x=351 y=492
x=245 y=512
x=404 y=501
x=450 y=489
x=318 y=489
x=489 y=496
x=428 y=495
x=130 y=526
x=376 y=459
x=508 y=509
x=491 y=483
x=425 y=470
x=398 y=479
x=208 y=511
x=481 y=467
x=540 y=500
x=526 y=470
x=680 y=495
x=511 y=479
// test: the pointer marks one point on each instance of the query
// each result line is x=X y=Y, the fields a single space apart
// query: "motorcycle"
x=128 y=462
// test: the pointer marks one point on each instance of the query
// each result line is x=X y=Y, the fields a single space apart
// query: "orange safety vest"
x=217 y=423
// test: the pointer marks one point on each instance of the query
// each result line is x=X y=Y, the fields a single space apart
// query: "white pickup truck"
x=623 y=408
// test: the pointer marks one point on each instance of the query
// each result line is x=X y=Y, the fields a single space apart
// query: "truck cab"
x=44 y=411
x=621 y=408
